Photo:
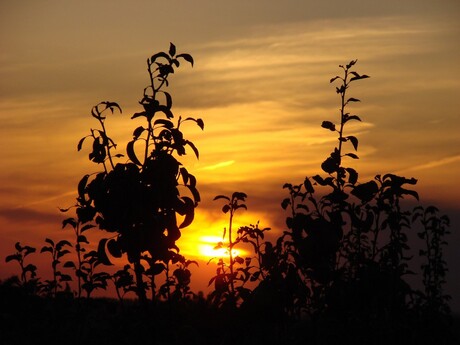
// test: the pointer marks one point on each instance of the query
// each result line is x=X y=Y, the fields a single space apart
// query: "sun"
x=207 y=248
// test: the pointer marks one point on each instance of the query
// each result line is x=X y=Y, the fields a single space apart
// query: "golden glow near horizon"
x=260 y=82
x=208 y=247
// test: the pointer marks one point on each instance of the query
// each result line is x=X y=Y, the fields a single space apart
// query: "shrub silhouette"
x=28 y=279
x=138 y=201
x=344 y=259
x=233 y=273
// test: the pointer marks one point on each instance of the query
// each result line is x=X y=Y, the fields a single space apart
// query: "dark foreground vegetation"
x=336 y=275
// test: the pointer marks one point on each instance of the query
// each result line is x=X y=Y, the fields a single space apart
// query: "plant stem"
x=139 y=283
x=342 y=123
x=232 y=285
x=108 y=144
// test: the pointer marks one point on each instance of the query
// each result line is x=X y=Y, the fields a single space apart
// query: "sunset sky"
x=261 y=84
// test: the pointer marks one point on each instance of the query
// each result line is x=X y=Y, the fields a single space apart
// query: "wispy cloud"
x=20 y=215
x=432 y=164
x=218 y=165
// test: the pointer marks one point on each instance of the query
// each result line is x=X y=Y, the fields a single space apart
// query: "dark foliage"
x=337 y=274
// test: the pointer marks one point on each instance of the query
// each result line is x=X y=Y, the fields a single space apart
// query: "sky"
x=261 y=84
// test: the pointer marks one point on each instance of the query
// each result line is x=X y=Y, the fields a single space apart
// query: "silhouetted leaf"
x=157 y=268
x=328 y=125
x=87 y=227
x=352 y=117
x=16 y=257
x=47 y=240
x=333 y=79
x=102 y=255
x=65 y=278
x=409 y=192
x=80 y=143
x=131 y=154
x=357 y=76
x=63 y=243
x=352 y=175
x=172 y=49
x=168 y=99
x=351 y=99
x=213 y=278
x=354 y=141
x=238 y=260
x=111 y=106
x=28 y=250
x=30 y=268
x=226 y=208
x=365 y=191
x=239 y=196
x=46 y=249
x=71 y=221
x=165 y=70
x=165 y=123
x=82 y=186
x=138 y=131
x=114 y=248
x=308 y=186
x=255 y=276
x=352 y=155
x=351 y=63
x=184 y=173
x=135 y=115
x=330 y=165
x=287 y=185
x=285 y=203
x=82 y=238
x=194 y=191
x=318 y=179
x=62 y=253
x=200 y=123
x=341 y=89
x=186 y=57
x=221 y=197
x=158 y=55
x=189 y=207
x=166 y=111
x=195 y=150
x=69 y=264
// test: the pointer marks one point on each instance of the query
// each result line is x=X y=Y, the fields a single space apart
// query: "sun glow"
x=208 y=248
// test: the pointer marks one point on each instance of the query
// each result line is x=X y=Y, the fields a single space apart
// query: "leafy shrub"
x=138 y=201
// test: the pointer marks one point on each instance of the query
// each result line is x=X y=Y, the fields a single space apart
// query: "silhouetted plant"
x=124 y=282
x=78 y=227
x=179 y=280
x=253 y=235
x=346 y=254
x=28 y=271
x=232 y=275
x=57 y=251
x=138 y=201
x=224 y=281
x=435 y=228
x=86 y=273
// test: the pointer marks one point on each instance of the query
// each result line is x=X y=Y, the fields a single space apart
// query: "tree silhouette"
x=139 y=200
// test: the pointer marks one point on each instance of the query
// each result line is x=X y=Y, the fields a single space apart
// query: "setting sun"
x=208 y=248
